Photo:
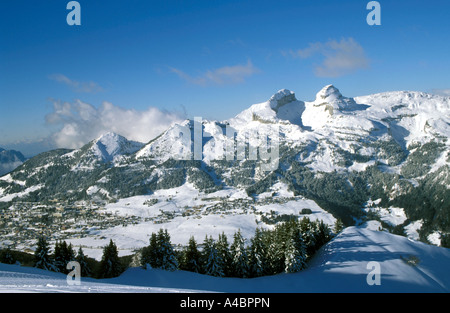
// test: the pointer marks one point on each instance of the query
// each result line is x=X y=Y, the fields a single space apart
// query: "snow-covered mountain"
x=110 y=146
x=107 y=148
x=383 y=156
x=9 y=160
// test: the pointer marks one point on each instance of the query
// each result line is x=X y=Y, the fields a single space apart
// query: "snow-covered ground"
x=201 y=220
x=342 y=265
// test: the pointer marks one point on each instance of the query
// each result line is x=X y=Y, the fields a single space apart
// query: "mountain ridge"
x=111 y=145
x=343 y=153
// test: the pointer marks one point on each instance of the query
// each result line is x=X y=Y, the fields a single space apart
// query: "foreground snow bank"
x=340 y=266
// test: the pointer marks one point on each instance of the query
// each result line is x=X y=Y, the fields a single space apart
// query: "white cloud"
x=221 y=76
x=81 y=122
x=340 y=57
x=85 y=87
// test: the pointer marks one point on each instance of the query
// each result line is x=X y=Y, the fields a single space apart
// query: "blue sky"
x=154 y=62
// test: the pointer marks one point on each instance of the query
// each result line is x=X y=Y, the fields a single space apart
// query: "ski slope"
x=340 y=266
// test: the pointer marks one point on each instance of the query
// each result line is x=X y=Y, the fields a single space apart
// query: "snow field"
x=198 y=224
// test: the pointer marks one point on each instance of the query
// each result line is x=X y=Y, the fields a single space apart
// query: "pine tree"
x=323 y=234
x=84 y=266
x=63 y=255
x=294 y=261
x=58 y=257
x=239 y=256
x=223 y=248
x=70 y=253
x=295 y=253
x=275 y=242
x=6 y=256
x=445 y=240
x=213 y=263
x=309 y=236
x=167 y=256
x=338 y=226
x=150 y=254
x=110 y=265
x=191 y=257
x=41 y=256
x=258 y=255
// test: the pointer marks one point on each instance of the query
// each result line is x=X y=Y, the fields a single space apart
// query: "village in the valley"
x=22 y=223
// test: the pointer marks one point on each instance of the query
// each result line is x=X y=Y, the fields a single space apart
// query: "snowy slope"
x=413 y=116
x=340 y=266
x=176 y=141
x=17 y=279
x=111 y=145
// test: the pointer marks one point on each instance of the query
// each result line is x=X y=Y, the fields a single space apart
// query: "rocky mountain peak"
x=281 y=98
x=328 y=93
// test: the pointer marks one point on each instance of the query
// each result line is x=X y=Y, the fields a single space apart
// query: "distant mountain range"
x=355 y=157
x=9 y=160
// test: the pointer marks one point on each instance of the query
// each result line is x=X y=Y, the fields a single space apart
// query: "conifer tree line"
x=109 y=266
x=286 y=248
